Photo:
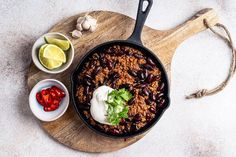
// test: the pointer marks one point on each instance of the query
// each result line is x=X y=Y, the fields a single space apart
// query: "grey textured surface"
x=189 y=128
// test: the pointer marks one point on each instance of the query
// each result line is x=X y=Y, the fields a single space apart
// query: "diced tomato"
x=53 y=94
x=39 y=99
x=47 y=99
x=54 y=107
x=50 y=98
x=63 y=94
x=44 y=92
x=56 y=102
x=59 y=92
x=47 y=109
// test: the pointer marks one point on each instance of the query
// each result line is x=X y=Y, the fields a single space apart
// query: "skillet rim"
x=147 y=52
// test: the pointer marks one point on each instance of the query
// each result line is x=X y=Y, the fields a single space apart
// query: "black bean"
x=86 y=90
x=97 y=70
x=161 y=86
x=152 y=110
x=146 y=92
x=96 y=56
x=123 y=122
x=150 y=61
x=141 y=75
x=148 y=117
x=109 y=65
x=127 y=53
x=92 y=65
x=91 y=88
x=131 y=88
x=145 y=73
x=148 y=101
x=88 y=82
x=152 y=97
x=137 y=118
x=132 y=91
x=141 y=85
x=126 y=86
x=134 y=127
x=120 y=53
x=115 y=131
x=105 y=81
x=139 y=56
x=138 y=81
x=102 y=55
x=88 y=76
x=160 y=95
x=150 y=78
x=113 y=85
x=84 y=106
x=161 y=103
x=132 y=73
x=103 y=62
x=141 y=93
x=132 y=101
x=128 y=119
x=114 y=76
x=148 y=67
x=88 y=98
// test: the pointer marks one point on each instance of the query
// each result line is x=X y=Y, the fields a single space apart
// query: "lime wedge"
x=48 y=63
x=63 y=44
x=53 y=52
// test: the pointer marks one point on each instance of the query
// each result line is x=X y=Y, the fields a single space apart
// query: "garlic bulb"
x=84 y=23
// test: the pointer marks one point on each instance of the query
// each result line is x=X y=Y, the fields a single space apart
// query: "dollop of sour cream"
x=99 y=106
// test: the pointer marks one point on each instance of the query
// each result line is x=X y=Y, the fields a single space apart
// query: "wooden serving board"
x=69 y=129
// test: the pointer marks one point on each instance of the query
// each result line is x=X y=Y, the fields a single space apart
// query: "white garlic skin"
x=86 y=25
x=92 y=22
x=80 y=20
x=79 y=27
x=92 y=28
x=76 y=34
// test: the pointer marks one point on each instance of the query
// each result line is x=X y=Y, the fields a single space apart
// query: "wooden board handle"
x=176 y=36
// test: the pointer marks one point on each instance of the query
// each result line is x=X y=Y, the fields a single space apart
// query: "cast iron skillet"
x=133 y=41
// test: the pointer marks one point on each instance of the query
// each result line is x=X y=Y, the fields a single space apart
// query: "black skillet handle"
x=140 y=20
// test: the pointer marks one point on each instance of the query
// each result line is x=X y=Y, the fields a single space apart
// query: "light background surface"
x=189 y=128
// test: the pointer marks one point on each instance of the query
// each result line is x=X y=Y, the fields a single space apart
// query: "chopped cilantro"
x=117 y=105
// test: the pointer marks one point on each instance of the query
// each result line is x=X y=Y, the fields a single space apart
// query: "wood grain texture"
x=69 y=129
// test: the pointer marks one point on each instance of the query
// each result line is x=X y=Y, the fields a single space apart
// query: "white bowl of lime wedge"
x=53 y=53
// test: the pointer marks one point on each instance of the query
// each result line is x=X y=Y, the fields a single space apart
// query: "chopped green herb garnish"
x=117 y=105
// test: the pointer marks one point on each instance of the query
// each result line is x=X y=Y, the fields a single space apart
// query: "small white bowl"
x=35 y=51
x=37 y=109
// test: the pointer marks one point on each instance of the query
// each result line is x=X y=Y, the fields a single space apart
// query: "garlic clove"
x=92 y=21
x=79 y=27
x=86 y=25
x=80 y=20
x=76 y=34
x=92 y=28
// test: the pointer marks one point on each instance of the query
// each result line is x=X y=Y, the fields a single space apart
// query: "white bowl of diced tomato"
x=49 y=99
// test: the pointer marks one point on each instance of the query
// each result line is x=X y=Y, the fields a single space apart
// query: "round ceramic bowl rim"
x=42 y=68
x=64 y=88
